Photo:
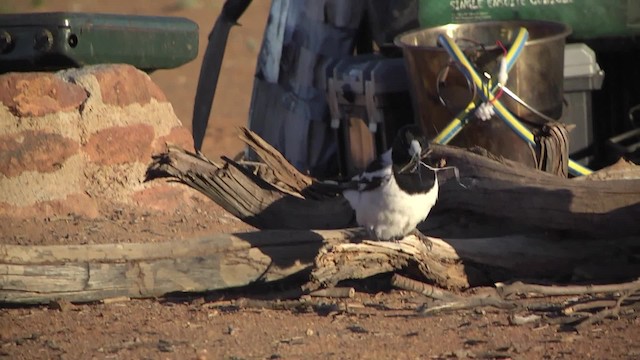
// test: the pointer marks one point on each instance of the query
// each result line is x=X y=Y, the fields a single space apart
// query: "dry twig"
x=404 y=283
x=520 y=288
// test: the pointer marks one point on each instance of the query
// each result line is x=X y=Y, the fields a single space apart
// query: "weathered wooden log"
x=357 y=261
x=39 y=274
x=281 y=197
x=249 y=197
x=509 y=190
x=80 y=273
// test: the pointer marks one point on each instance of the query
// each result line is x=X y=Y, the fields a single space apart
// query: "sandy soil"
x=375 y=324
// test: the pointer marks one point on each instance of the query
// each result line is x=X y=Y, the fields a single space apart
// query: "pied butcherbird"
x=397 y=190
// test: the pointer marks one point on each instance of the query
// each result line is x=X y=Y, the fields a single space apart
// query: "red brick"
x=38 y=94
x=179 y=136
x=120 y=144
x=34 y=151
x=123 y=85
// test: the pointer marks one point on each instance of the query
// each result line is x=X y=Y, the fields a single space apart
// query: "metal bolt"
x=6 y=43
x=43 y=40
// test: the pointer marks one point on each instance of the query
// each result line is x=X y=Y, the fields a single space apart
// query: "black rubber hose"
x=211 y=63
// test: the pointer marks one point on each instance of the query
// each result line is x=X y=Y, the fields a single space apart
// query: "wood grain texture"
x=40 y=274
x=277 y=196
x=251 y=198
x=506 y=189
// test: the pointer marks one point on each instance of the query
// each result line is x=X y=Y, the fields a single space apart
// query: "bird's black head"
x=408 y=146
x=407 y=150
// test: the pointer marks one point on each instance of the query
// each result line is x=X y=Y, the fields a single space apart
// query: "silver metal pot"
x=440 y=91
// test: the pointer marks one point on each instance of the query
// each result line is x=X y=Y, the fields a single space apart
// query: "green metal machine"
x=589 y=19
x=53 y=41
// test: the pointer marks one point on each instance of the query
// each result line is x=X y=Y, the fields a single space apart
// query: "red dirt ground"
x=372 y=325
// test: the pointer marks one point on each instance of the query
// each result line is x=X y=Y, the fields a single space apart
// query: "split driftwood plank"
x=278 y=196
x=40 y=274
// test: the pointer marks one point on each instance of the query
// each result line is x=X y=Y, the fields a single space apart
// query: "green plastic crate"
x=590 y=19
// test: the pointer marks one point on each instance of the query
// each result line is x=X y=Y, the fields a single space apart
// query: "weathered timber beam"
x=509 y=190
x=39 y=274
x=604 y=204
x=503 y=189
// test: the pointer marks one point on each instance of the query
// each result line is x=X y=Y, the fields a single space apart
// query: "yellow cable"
x=500 y=109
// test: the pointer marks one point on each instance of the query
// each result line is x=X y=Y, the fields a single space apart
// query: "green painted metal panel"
x=590 y=19
x=49 y=41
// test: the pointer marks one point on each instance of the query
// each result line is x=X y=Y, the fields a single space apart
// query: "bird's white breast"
x=389 y=212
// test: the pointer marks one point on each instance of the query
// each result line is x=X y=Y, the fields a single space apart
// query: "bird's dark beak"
x=415 y=161
x=412 y=165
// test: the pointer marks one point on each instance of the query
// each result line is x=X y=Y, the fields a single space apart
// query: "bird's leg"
x=422 y=237
x=371 y=234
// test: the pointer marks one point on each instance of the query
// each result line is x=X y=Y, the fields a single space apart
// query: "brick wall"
x=79 y=141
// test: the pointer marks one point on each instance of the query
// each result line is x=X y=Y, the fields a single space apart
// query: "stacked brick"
x=79 y=141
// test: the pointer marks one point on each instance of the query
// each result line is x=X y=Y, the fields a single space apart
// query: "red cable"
x=504 y=53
